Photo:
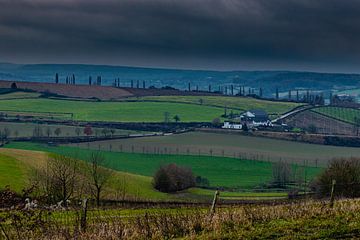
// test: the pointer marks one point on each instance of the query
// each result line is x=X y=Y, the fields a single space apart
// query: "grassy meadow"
x=115 y=111
x=220 y=171
x=144 y=109
x=239 y=103
x=339 y=113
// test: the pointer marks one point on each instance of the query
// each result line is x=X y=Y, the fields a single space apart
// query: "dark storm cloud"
x=273 y=32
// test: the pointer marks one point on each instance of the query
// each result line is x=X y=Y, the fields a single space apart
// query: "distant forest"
x=269 y=81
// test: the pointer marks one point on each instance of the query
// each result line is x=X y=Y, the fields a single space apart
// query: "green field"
x=17 y=168
x=221 y=171
x=339 y=113
x=12 y=173
x=153 y=109
x=240 y=103
x=116 y=111
x=230 y=145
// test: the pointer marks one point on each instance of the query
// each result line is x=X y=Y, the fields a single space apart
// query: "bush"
x=346 y=173
x=172 y=178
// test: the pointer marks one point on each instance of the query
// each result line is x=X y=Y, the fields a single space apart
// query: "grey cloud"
x=259 y=32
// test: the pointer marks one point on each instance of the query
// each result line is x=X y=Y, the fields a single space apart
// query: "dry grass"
x=32 y=159
x=305 y=220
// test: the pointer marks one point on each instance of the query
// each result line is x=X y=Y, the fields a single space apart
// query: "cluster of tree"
x=346 y=173
x=64 y=177
x=173 y=178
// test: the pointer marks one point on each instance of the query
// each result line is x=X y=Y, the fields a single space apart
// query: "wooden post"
x=213 y=205
x=332 y=193
x=83 y=215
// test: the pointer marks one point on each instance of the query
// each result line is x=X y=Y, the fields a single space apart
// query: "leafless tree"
x=282 y=173
x=99 y=175
x=57 y=131
x=59 y=178
x=48 y=132
x=37 y=132
x=6 y=133
x=77 y=131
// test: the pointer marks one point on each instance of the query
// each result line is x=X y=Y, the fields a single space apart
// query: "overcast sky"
x=317 y=35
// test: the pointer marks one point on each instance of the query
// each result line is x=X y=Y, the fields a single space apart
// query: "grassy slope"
x=19 y=95
x=220 y=171
x=242 y=103
x=116 y=111
x=12 y=173
x=16 y=168
x=343 y=114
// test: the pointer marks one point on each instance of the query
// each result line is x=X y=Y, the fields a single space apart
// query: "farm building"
x=255 y=118
x=231 y=125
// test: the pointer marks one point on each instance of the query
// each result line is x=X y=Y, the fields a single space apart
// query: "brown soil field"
x=323 y=124
x=94 y=91
x=72 y=91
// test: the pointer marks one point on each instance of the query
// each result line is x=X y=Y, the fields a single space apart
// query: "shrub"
x=346 y=173
x=172 y=178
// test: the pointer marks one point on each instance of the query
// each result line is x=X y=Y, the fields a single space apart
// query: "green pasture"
x=221 y=171
x=12 y=173
x=340 y=113
x=116 y=111
x=240 y=103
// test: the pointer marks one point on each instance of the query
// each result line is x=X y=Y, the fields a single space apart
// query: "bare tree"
x=59 y=178
x=357 y=125
x=48 y=132
x=6 y=133
x=99 y=175
x=16 y=133
x=282 y=173
x=166 y=117
x=57 y=131
x=77 y=131
x=37 y=132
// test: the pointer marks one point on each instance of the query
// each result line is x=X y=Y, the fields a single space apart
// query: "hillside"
x=151 y=109
x=348 y=115
x=238 y=103
x=17 y=167
x=226 y=172
x=177 y=78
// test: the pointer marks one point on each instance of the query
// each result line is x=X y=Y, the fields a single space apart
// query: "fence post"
x=83 y=215
x=332 y=193
x=213 y=205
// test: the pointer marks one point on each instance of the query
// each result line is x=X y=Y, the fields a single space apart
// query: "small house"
x=255 y=118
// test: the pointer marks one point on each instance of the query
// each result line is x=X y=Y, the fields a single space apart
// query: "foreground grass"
x=301 y=220
x=221 y=171
x=343 y=114
x=241 y=103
